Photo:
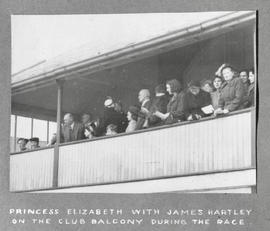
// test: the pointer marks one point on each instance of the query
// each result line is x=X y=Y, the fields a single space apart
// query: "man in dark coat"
x=71 y=130
x=159 y=103
x=194 y=100
x=111 y=116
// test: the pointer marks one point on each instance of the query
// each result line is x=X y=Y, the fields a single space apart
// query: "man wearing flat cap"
x=195 y=99
x=34 y=143
x=22 y=144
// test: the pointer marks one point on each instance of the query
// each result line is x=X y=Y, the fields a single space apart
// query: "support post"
x=58 y=132
x=15 y=133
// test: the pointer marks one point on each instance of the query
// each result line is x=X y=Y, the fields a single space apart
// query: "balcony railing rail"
x=186 y=148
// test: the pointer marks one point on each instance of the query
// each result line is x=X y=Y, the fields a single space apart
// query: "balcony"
x=211 y=145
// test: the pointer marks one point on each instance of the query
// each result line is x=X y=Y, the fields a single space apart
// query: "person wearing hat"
x=195 y=100
x=232 y=91
x=34 y=143
x=132 y=116
x=175 y=108
x=144 y=100
x=160 y=103
x=111 y=116
x=22 y=144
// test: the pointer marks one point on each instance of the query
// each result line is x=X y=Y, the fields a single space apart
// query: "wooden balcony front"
x=211 y=145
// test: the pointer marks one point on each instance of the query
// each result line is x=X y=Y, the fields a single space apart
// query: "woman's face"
x=251 y=77
x=207 y=88
x=169 y=89
x=243 y=76
x=217 y=83
x=227 y=74
x=129 y=116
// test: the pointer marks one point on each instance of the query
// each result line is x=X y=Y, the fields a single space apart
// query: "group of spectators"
x=228 y=91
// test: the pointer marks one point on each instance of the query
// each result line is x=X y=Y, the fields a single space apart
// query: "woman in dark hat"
x=195 y=100
x=175 y=107
x=232 y=91
x=132 y=116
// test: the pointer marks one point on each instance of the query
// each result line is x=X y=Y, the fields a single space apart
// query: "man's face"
x=33 y=144
x=227 y=74
x=194 y=90
x=85 y=118
x=22 y=144
x=68 y=120
x=243 y=76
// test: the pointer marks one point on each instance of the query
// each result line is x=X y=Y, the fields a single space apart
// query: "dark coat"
x=68 y=134
x=111 y=116
x=232 y=94
x=194 y=103
x=176 y=108
x=142 y=117
x=249 y=99
x=159 y=104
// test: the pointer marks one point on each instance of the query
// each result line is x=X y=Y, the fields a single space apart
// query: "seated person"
x=34 y=143
x=160 y=103
x=232 y=91
x=195 y=100
x=175 y=108
x=111 y=130
x=132 y=116
x=22 y=142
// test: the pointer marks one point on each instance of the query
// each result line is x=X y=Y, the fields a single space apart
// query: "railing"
x=32 y=170
x=209 y=145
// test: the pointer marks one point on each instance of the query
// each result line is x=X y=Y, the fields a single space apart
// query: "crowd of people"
x=228 y=91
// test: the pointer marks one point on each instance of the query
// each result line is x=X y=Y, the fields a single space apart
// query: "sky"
x=36 y=38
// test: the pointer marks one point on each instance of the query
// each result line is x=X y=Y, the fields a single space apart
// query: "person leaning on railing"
x=250 y=97
x=196 y=102
x=232 y=91
x=175 y=108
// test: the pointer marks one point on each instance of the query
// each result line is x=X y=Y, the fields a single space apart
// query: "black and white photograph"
x=134 y=103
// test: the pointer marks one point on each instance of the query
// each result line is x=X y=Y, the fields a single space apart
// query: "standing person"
x=144 y=100
x=175 y=108
x=111 y=116
x=88 y=124
x=232 y=91
x=22 y=142
x=71 y=130
x=160 y=103
x=34 y=143
x=118 y=107
x=132 y=116
x=195 y=100
x=215 y=95
x=250 y=97
x=243 y=75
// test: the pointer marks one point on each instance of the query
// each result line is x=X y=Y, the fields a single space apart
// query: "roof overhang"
x=39 y=77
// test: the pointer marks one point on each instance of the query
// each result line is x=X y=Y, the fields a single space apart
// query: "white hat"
x=108 y=102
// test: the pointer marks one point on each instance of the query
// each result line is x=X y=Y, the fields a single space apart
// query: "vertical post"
x=15 y=133
x=48 y=127
x=58 y=132
x=32 y=127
